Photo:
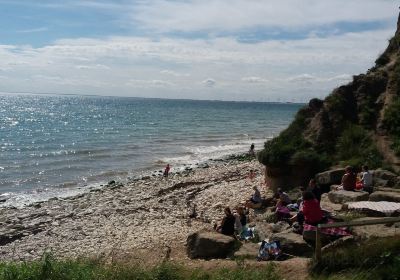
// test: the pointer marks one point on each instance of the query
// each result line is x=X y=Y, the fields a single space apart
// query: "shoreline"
x=23 y=198
x=141 y=215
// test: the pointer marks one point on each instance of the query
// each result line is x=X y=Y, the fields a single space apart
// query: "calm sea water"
x=58 y=145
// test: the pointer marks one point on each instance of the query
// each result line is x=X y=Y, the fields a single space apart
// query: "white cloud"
x=209 y=82
x=235 y=15
x=174 y=73
x=174 y=68
x=33 y=30
x=254 y=80
x=90 y=67
x=148 y=83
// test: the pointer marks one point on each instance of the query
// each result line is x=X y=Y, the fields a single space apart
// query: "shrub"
x=278 y=152
x=391 y=122
x=379 y=257
x=355 y=147
x=391 y=119
x=382 y=60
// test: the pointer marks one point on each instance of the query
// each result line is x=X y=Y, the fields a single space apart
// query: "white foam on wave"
x=201 y=154
x=24 y=198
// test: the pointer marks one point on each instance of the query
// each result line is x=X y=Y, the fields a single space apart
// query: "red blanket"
x=340 y=231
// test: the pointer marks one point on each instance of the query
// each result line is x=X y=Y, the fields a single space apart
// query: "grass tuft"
x=49 y=268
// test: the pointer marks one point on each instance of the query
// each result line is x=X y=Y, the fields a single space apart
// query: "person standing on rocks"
x=166 y=171
x=252 y=152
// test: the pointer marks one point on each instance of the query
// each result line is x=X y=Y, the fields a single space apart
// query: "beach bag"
x=269 y=251
x=247 y=233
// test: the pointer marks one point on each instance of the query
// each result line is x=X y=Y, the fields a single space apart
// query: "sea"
x=63 y=145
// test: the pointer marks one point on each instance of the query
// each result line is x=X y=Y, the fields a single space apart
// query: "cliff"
x=358 y=123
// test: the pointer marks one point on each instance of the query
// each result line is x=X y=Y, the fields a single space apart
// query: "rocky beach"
x=143 y=217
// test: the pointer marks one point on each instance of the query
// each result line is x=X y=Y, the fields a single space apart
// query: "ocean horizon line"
x=150 y=98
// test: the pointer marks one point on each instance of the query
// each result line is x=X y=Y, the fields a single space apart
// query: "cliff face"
x=358 y=123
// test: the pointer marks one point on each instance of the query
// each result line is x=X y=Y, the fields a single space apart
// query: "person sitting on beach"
x=166 y=171
x=227 y=226
x=255 y=201
x=313 y=187
x=349 y=179
x=310 y=212
x=366 y=179
x=283 y=198
x=240 y=219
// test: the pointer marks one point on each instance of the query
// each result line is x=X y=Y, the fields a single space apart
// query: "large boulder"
x=326 y=204
x=293 y=243
x=385 y=196
x=385 y=178
x=330 y=177
x=208 y=245
x=343 y=196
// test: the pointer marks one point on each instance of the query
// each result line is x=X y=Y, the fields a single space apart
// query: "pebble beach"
x=148 y=215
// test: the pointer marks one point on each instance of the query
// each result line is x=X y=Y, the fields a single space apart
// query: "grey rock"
x=208 y=245
x=347 y=196
x=330 y=177
x=371 y=231
x=385 y=196
x=293 y=243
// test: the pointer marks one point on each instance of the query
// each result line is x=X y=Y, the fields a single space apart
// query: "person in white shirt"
x=366 y=178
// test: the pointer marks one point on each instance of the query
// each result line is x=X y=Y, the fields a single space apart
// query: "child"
x=166 y=171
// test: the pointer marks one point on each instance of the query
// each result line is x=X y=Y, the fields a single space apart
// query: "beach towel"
x=269 y=251
x=340 y=231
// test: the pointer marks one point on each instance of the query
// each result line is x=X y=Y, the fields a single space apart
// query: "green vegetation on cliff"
x=392 y=123
x=342 y=129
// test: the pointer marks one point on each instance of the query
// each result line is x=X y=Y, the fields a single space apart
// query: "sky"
x=250 y=50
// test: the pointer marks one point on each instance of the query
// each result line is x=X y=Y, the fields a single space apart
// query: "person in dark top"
x=227 y=226
x=313 y=187
x=242 y=216
x=252 y=152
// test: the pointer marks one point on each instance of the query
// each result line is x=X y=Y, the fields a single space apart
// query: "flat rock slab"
x=327 y=205
x=248 y=250
x=293 y=244
x=347 y=196
x=374 y=208
x=208 y=245
x=385 y=196
x=374 y=230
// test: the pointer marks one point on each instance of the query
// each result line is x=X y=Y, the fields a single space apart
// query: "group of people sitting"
x=352 y=182
x=307 y=207
x=233 y=223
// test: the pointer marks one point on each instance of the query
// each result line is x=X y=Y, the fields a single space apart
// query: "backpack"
x=269 y=251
